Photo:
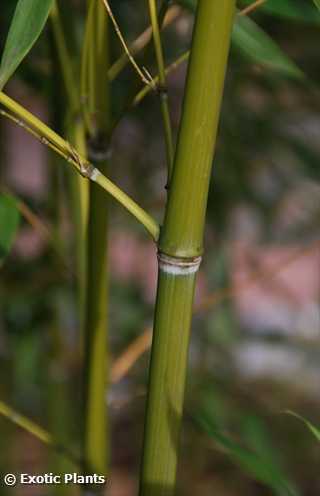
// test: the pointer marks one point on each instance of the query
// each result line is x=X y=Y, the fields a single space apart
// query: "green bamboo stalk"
x=96 y=430
x=79 y=189
x=64 y=59
x=180 y=245
x=57 y=390
x=75 y=130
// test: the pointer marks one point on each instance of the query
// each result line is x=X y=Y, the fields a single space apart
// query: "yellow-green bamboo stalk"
x=58 y=388
x=79 y=187
x=96 y=430
x=180 y=246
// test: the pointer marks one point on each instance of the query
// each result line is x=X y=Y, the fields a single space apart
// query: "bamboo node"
x=99 y=149
x=178 y=265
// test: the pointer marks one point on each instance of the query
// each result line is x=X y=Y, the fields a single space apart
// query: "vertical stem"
x=58 y=387
x=75 y=131
x=95 y=333
x=162 y=85
x=79 y=189
x=167 y=378
x=180 y=245
x=64 y=58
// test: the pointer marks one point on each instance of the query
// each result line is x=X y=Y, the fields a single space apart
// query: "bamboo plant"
x=180 y=239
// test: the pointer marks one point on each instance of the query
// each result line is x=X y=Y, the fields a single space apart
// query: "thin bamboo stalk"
x=180 y=245
x=162 y=87
x=96 y=429
x=64 y=58
x=79 y=189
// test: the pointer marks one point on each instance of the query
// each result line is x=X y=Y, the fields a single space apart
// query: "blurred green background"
x=255 y=344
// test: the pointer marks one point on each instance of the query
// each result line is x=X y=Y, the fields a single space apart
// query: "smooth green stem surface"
x=79 y=187
x=96 y=429
x=166 y=383
x=95 y=343
x=181 y=244
x=64 y=59
x=182 y=234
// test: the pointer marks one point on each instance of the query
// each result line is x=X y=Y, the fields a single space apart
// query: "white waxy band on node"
x=178 y=266
x=94 y=174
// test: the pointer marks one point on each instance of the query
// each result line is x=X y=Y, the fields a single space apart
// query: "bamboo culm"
x=96 y=430
x=180 y=245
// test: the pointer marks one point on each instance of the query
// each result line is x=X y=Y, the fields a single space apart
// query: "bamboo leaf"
x=257 y=465
x=317 y=3
x=257 y=46
x=28 y=21
x=294 y=10
x=314 y=430
x=9 y=221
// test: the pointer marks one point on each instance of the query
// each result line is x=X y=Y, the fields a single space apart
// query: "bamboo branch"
x=141 y=42
x=35 y=430
x=50 y=138
x=143 y=73
x=184 y=57
x=253 y=6
x=162 y=87
x=42 y=229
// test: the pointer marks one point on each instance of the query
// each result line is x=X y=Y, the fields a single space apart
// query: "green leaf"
x=28 y=21
x=255 y=461
x=294 y=10
x=9 y=222
x=315 y=431
x=317 y=3
x=257 y=46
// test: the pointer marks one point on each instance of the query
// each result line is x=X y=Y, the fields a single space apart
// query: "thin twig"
x=42 y=229
x=182 y=58
x=162 y=86
x=251 y=7
x=35 y=430
x=141 y=42
x=143 y=73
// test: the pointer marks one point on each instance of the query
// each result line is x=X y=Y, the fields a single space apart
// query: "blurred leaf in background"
x=314 y=430
x=296 y=10
x=28 y=21
x=9 y=222
x=252 y=449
